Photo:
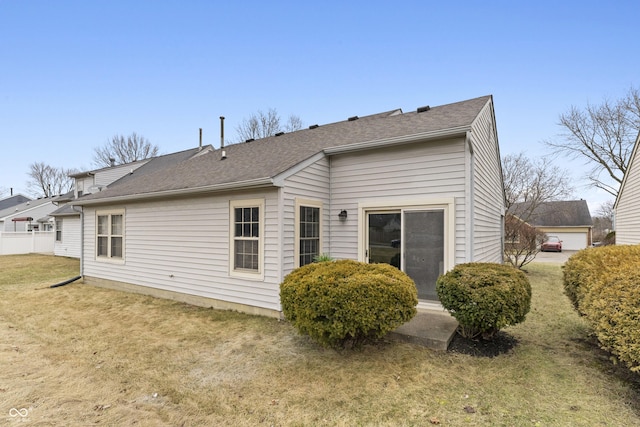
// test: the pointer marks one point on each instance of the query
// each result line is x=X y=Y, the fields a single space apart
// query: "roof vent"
x=423 y=109
x=250 y=140
x=354 y=118
x=279 y=133
x=313 y=126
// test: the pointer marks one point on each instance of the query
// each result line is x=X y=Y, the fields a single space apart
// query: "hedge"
x=347 y=302
x=604 y=286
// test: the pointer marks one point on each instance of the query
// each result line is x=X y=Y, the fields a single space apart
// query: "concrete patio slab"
x=430 y=328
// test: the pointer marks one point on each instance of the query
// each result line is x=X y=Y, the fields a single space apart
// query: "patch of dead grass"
x=80 y=355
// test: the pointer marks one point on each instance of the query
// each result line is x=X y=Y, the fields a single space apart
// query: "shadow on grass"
x=501 y=343
x=608 y=363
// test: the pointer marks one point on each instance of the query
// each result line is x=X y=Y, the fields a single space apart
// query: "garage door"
x=571 y=241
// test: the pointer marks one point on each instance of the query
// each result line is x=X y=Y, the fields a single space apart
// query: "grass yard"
x=78 y=355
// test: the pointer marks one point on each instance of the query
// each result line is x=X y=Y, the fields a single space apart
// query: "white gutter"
x=252 y=183
x=366 y=145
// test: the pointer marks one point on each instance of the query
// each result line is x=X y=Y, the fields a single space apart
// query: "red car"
x=552 y=243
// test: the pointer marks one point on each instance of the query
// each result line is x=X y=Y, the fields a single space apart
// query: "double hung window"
x=110 y=235
x=308 y=231
x=246 y=238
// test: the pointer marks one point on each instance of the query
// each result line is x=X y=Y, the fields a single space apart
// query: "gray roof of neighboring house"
x=87 y=173
x=13 y=201
x=24 y=207
x=570 y=213
x=268 y=157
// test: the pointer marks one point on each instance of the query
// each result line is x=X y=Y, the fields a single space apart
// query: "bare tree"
x=262 y=125
x=603 y=136
x=527 y=184
x=603 y=223
x=120 y=150
x=48 y=181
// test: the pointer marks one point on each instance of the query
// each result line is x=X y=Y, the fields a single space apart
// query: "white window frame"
x=110 y=214
x=58 y=230
x=246 y=273
x=310 y=204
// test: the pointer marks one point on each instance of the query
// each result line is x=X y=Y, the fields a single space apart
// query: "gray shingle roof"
x=570 y=213
x=13 y=201
x=268 y=157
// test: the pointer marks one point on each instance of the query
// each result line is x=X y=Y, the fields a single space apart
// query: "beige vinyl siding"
x=419 y=171
x=70 y=244
x=108 y=175
x=84 y=185
x=627 y=219
x=311 y=183
x=183 y=246
x=488 y=202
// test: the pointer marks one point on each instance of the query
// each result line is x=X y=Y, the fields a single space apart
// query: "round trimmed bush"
x=347 y=302
x=484 y=297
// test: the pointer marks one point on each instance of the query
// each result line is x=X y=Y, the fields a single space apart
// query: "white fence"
x=26 y=242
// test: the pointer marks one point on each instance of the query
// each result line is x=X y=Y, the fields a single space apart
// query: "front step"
x=433 y=329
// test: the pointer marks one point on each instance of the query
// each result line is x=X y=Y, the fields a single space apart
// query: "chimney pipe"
x=12 y=191
x=221 y=131
x=200 y=147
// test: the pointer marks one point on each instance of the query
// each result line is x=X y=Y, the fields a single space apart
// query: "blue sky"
x=75 y=73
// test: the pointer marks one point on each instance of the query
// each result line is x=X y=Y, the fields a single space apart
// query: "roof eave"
x=405 y=139
x=248 y=184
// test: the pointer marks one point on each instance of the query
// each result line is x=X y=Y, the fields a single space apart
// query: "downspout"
x=81 y=239
x=330 y=206
x=66 y=282
x=470 y=199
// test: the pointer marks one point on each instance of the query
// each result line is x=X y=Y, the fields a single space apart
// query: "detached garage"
x=571 y=240
x=569 y=220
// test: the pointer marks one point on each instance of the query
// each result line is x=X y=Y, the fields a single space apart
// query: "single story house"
x=222 y=228
x=570 y=220
x=627 y=204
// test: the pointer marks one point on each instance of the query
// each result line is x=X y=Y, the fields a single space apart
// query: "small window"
x=246 y=244
x=58 y=230
x=308 y=225
x=110 y=235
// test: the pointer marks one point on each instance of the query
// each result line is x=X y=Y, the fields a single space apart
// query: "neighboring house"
x=569 y=220
x=627 y=205
x=27 y=216
x=25 y=228
x=12 y=200
x=68 y=229
x=422 y=190
x=518 y=235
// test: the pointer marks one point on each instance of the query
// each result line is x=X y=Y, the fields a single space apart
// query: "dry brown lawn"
x=78 y=355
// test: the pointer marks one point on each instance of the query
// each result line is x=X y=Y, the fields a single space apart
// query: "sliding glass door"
x=411 y=240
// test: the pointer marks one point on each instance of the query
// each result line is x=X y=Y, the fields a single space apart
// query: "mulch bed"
x=501 y=343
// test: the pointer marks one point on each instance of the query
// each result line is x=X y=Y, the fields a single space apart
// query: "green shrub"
x=322 y=258
x=603 y=285
x=347 y=302
x=612 y=307
x=590 y=266
x=484 y=297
